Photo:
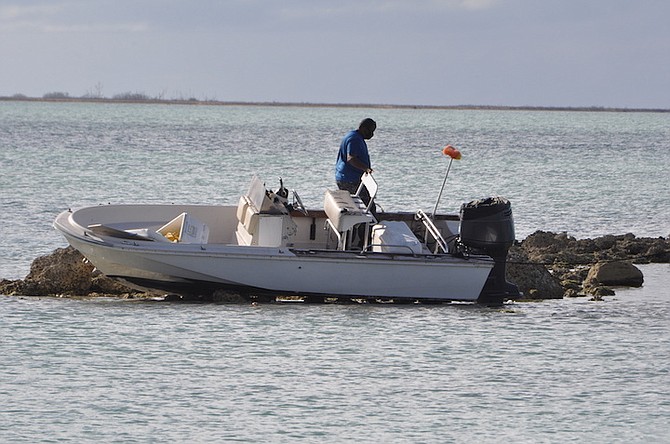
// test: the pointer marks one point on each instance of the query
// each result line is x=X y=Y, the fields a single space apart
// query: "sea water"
x=556 y=371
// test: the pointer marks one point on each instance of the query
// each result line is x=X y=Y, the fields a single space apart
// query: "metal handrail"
x=432 y=229
x=329 y=224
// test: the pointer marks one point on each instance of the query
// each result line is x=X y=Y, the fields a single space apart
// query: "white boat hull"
x=266 y=244
x=281 y=270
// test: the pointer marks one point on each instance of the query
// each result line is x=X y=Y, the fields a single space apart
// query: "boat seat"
x=262 y=228
x=345 y=210
x=247 y=215
x=247 y=225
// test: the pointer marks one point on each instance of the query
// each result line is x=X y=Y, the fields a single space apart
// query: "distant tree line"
x=128 y=95
x=95 y=95
x=56 y=95
x=132 y=96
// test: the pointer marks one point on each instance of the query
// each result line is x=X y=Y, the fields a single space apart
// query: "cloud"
x=175 y=16
x=384 y=51
x=23 y=12
x=63 y=17
x=26 y=17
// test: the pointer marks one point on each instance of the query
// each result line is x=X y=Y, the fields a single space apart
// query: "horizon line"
x=149 y=100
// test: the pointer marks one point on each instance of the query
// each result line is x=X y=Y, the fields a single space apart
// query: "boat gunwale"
x=71 y=228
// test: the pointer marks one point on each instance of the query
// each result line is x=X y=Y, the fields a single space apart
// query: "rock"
x=600 y=291
x=570 y=293
x=570 y=284
x=605 y=291
x=553 y=249
x=614 y=274
x=658 y=251
x=171 y=297
x=547 y=241
x=228 y=297
x=533 y=280
x=64 y=272
x=11 y=287
x=571 y=259
x=103 y=284
x=569 y=275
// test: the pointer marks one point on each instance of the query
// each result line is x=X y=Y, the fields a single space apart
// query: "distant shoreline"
x=332 y=105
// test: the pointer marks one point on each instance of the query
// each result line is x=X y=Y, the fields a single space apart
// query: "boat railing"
x=431 y=229
x=341 y=240
x=371 y=185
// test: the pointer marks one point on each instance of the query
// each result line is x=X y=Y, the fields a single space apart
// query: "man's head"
x=367 y=128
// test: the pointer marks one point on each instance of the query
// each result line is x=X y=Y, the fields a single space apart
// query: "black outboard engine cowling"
x=487 y=226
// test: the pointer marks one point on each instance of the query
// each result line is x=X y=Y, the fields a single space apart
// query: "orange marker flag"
x=451 y=152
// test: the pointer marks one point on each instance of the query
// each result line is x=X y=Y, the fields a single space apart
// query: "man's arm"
x=358 y=163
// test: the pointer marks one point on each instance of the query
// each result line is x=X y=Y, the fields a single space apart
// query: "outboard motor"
x=487 y=226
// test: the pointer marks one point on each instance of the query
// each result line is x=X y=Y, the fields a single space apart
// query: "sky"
x=575 y=53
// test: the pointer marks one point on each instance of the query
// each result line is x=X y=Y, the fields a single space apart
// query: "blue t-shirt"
x=352 y=144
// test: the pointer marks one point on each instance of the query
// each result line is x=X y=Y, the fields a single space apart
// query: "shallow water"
x=136 y=371
x=585 y=173
x=555 y=371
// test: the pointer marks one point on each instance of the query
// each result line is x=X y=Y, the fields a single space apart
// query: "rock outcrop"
x=587 y=266
x=533 y=280
x=614 y=273
x=556 y=248
x=65 y=272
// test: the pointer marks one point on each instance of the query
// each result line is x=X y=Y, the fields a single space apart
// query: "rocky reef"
x=545 y=265
x=549 y=265
x=65 y=272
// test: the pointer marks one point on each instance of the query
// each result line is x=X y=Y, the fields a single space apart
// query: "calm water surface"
x=128 y=371
x=585 y=173
x=556 y=371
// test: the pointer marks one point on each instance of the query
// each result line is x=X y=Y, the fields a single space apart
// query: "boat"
x=270 y=245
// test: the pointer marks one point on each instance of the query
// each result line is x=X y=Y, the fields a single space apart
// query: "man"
x=353 y=159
